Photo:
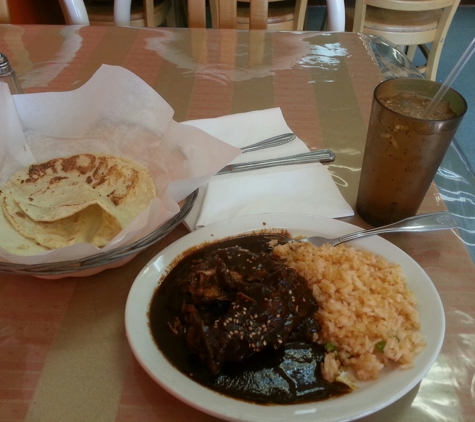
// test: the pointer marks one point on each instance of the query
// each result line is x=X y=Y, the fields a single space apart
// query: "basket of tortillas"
x=83 y=189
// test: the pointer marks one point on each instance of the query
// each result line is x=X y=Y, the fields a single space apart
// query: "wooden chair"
x=335 y=16
x=408 y=24
x=148 y=13
x=4 y=12
x=249 y=14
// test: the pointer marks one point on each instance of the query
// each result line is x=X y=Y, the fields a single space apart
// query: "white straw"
x=450 y=79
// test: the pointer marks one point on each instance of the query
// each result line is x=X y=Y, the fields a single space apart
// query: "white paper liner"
x=116 y=113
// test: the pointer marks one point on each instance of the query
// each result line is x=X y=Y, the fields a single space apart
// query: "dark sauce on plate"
x=244 y=338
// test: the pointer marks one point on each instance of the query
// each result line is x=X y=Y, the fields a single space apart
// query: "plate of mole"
x=365 y=398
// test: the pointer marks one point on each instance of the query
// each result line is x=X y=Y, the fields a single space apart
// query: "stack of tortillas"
x=64 y=201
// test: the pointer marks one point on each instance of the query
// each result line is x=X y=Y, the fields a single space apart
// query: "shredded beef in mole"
x=240 y=303
x=241 y=314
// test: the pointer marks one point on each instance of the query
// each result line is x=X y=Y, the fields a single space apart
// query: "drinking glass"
x=402 y=152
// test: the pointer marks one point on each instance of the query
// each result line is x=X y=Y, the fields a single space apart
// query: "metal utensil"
x=275 y=141
x=419 y=223
x=322 y=155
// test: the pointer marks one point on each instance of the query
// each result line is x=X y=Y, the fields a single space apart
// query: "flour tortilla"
x=82 y=198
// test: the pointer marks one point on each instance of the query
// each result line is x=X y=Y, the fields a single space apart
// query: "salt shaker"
x=7 y=74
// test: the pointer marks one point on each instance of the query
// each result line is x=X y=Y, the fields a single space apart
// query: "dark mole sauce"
x=288 y=375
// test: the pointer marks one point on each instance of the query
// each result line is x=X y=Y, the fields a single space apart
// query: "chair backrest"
x=75 y=12
x=224 y=13
x=408 y=23
x=122 y=13
x=335 y=15
x=4 y=12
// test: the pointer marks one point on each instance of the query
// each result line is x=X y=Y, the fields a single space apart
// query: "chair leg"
x=433 y=62
x=300 y=15
x=424 y=68
x=411 y=51
x=149 y=14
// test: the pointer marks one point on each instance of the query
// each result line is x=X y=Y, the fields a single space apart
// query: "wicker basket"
x=101 y=259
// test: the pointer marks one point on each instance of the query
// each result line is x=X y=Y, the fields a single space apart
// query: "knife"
x=321 y=155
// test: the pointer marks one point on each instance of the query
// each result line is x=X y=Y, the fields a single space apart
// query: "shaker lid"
x=4 y=64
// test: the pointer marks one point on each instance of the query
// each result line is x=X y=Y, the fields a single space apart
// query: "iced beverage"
x=403 y=151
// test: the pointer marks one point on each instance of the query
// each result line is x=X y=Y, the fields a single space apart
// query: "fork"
x=275 y=141
x=419 y=223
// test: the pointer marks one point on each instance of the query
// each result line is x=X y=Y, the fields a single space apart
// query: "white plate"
x=369 y=396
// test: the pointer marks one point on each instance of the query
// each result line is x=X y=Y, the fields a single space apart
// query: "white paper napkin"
x=303 y=188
